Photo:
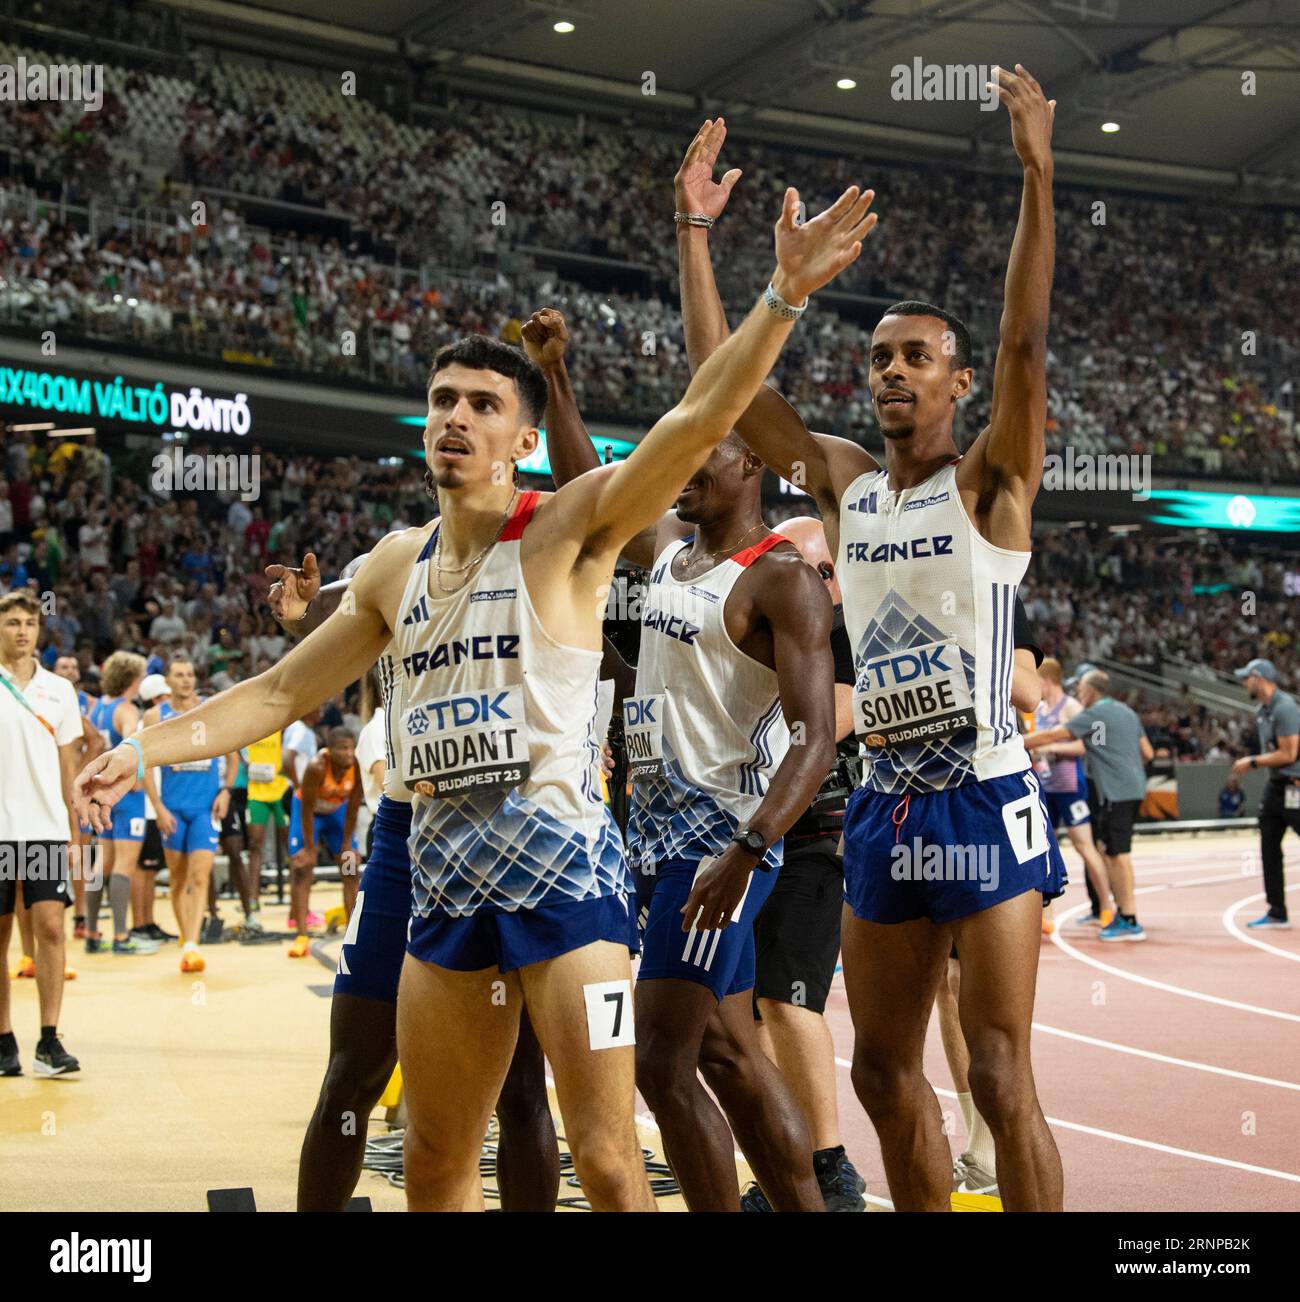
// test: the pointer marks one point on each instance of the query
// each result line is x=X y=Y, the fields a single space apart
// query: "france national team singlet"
x=497 y=742
x=930 y=606
x=705 y=730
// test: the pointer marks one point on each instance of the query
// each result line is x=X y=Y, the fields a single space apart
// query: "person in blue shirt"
x=1231 y=798
x=191 y=803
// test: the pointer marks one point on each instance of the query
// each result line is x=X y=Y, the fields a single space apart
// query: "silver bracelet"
x=779 y=307
x=693 y=219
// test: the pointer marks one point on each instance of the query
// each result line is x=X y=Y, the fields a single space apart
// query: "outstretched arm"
x=1009 y=453
x=822 y=465
x=633 y=494
x=568 y=444
x=335 y=655
x=704 y=319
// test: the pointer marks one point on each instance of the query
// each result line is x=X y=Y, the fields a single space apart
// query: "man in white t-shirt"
x=300 y=745
x=40 y=721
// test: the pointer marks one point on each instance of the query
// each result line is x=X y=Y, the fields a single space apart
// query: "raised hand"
x=694 y=186
x=812 y=255
x=292 y=590
x=546 y=336
x=1032 y=114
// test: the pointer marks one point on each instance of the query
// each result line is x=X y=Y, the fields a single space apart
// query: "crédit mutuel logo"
x=25 y=82
x=77 y=1256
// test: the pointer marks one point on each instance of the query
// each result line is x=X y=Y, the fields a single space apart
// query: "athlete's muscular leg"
x=800 y=1043
x=256 y=834
x=126 y=859
x=363 y=1053
x=6 y=930
x=198 y=874
x=954 y=1042
x=671 y=1018
x=455 y=1038
x=999 y=959
x=528 y=1153
x=891 y=974
x=47 y=922
x=177 y=884
x=596 y=1087
x=1093 y=863
x=1119 y=868
x=763 y=1111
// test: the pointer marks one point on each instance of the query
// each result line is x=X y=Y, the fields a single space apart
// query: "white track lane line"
x=1056 y=939
x=1145 y=1143
x=1230 y=922
x=1164 y=1057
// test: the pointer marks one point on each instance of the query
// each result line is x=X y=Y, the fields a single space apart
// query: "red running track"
x=1169 y=1071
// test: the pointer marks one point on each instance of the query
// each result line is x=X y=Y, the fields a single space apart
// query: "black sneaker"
x=9 y=1064
x=155 y=932
x=212 y=930
x=52 y=1059
x=754 y=1200
x=95 y=944
x=841 y=1185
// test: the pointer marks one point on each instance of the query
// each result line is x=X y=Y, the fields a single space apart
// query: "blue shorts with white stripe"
x=722 y=960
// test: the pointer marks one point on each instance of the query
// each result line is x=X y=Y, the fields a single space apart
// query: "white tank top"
x=496 y=738
x=705 y=731
x=929 y=606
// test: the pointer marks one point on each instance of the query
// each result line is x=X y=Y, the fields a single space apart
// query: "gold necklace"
x=439 y=570
x=726 y=550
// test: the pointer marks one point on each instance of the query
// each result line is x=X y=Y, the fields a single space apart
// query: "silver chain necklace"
x=438 y=568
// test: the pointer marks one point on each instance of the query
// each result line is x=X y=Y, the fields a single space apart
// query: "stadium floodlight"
x=564 y=27
x=846 y=83
x=71 y=433
x=31 y=429
x=1110 y=127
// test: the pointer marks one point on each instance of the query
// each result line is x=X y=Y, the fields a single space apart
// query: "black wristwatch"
x=749 y=839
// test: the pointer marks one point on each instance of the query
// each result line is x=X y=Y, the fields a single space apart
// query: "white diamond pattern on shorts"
x=922 y=766
x=486 y=851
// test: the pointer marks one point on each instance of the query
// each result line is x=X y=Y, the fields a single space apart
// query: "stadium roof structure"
x=1173 y=74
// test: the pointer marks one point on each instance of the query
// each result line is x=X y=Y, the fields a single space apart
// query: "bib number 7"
x=609 y=1014
x=1026 y=827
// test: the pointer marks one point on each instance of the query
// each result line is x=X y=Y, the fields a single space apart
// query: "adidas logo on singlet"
x=865 y=504
x=418 y=613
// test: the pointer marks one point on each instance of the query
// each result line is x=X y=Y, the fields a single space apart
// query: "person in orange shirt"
x=324 y=809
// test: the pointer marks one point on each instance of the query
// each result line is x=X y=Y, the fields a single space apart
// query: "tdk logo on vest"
x=461 y=711
x=914 y=549
x=892 y=671
x=418 y=613
x=488 y=646
x=636 y=713
x=672 y=625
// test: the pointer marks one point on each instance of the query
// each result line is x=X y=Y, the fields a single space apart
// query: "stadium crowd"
x=131 y=569
x=1201 y=392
